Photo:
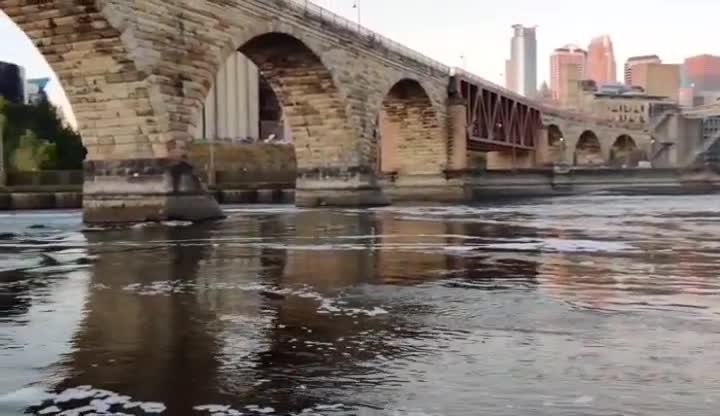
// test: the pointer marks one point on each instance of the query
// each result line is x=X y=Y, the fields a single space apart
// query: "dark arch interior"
x=588 y=150
x=624 y=152
x=555 y=135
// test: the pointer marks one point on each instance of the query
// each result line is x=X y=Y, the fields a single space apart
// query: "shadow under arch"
x=624 y=152
x=410 y=140
x=555 y=144
x=588 y=150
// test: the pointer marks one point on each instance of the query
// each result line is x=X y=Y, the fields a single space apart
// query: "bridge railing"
x=494 y=87
x=313 y=9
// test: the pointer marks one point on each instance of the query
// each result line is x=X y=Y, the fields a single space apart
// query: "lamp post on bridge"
x=356 y=6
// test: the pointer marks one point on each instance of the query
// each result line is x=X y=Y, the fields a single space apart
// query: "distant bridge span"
x=358 y=104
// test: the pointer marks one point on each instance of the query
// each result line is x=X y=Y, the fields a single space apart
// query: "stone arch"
x=555 y=143
x=555 y=135
x=241 y=107
x=411 y=140
x=588 y=150
x=624 y=152
x=109 y=94
x=310 y=98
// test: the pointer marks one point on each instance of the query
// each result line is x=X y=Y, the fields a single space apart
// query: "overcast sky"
x=481 y=29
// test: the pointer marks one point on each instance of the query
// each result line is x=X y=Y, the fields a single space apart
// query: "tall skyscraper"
x=521 y=69
x=637 y=60
x=567 y=66
x=602 y=67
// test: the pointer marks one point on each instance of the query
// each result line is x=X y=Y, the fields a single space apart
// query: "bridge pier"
x=338 y=187
x=446 y=188
x=138 y=190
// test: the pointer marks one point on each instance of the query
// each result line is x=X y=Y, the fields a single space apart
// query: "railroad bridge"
x=358 y=104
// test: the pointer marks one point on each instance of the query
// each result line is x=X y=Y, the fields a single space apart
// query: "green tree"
x=33 y=153
x=45 y=123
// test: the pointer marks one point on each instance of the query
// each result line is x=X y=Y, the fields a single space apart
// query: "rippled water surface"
x=576 y=306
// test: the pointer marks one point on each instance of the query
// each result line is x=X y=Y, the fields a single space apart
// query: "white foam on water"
x=153 y=407
x=100 y=401
x=584 y=400
x=212 y=408
x=329 y=406
x=24 y=397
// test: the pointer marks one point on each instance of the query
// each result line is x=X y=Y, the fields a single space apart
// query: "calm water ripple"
x=591 y=305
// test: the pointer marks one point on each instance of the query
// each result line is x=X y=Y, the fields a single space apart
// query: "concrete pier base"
x=139 y=190
x=353 y=187
x=426 y=188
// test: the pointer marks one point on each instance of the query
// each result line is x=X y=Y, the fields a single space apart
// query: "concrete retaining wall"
x=528 y=183
x=252 y=166
x=463 y=187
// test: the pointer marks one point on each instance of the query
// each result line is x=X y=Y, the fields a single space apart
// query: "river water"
x=599 y=305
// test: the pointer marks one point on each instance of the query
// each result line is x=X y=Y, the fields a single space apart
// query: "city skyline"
x=480 y=34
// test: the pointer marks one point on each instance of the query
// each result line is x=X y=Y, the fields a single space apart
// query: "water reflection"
x=444 y=310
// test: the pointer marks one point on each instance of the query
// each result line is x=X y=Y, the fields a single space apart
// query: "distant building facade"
x=12 y=82
x=521 y=69
x=711 y=128
x=686 y=97
x=567 y=68
x=637 y=60
x=37 y=90
x=657 y=79
x=619 y=103
x=601 y=64
x=702 y=72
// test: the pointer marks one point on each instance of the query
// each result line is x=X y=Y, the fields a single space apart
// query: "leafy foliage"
x=43 y=121
x=32 y=153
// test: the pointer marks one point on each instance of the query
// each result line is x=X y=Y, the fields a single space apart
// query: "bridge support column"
x=457 y=127
x=138 y=190
x=339 y=187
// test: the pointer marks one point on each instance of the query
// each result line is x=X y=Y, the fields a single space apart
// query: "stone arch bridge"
x=359 y=105
x=583 y=141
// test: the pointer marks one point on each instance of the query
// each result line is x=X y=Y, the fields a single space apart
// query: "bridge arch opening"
x=588 y=151
x=624 y=152
x=556 y=144
x=410 y=137
x=313 y=109
x=555 y=136
x=37 y=123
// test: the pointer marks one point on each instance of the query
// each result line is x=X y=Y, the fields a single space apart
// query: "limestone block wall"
x=411 y=138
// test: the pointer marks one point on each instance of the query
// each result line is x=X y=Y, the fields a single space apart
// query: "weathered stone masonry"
x=136 y=73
